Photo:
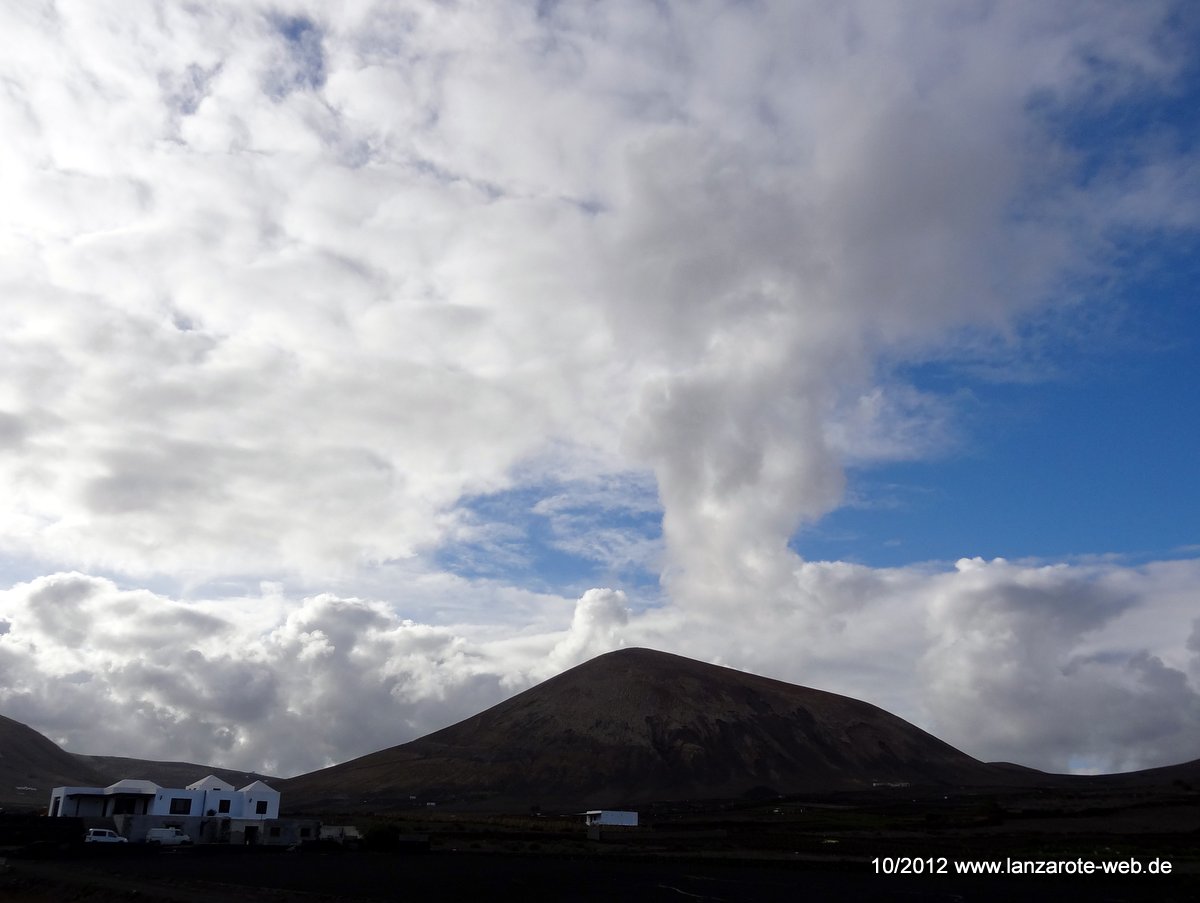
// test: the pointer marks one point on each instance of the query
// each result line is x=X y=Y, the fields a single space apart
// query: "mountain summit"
x=637 y=725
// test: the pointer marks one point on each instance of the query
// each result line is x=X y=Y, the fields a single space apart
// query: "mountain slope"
x=166 y=774
x=29 y=760
x=31 y=765
x=638 y=725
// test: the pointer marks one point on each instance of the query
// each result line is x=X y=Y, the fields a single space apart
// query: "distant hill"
x=167 y=774
x=637 y=725
x=1185 y=775
x=32 y=765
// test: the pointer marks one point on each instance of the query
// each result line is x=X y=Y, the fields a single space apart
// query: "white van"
x=103 y=835
x=167 y=837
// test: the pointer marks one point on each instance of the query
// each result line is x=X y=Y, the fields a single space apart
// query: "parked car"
x=103 y=835
x=167 y=837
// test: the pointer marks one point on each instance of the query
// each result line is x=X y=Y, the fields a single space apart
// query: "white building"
x=607 y=817
x=209 y=796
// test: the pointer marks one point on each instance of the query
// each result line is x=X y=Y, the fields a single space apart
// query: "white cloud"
x=600 y=618
x=287 y=287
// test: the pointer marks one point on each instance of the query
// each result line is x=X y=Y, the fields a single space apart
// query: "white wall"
x=253 y=797
x=213 y=798
x=613 y=817
x=161 y=805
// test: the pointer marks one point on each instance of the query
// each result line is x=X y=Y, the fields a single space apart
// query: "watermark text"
x=942 y=865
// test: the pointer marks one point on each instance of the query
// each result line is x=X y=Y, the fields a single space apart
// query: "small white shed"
x=606 y=817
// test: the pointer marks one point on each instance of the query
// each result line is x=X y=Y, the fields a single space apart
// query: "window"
x=222 y=805
x=181 y=805
x=260 y=808
x=275 y=831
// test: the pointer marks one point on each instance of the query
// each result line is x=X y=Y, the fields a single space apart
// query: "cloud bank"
x=329 y=301
x=1048 y=665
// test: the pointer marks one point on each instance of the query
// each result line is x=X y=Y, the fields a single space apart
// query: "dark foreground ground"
x=831 y=848
x=233 y=875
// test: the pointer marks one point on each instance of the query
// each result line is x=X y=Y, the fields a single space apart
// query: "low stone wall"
x=217 y=830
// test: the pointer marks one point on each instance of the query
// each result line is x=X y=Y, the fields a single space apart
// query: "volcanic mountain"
x=637 y=725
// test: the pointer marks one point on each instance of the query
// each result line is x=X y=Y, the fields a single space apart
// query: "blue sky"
x=1089 y=454
x=361 y=367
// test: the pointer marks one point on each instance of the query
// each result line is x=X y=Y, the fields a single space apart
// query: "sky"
x=363 y=364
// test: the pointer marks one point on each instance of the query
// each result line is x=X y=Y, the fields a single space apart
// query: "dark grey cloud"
x=13 y=431
x=59 y=608
x=303 y=64
x=1046 y=649
x=185 y=91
